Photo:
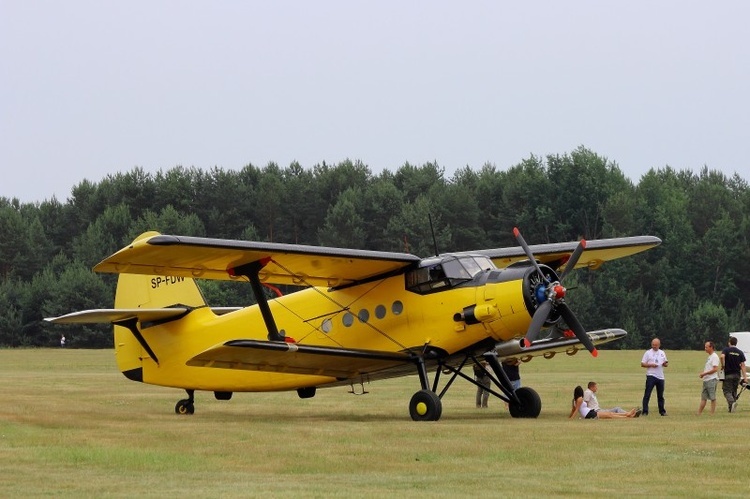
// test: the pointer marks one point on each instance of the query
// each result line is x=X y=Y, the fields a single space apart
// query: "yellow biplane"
x=364 y=315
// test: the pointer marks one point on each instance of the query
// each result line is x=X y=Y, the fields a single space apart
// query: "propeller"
x=551 y=296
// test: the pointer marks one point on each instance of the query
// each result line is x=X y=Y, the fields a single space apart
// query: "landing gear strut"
x=522 y=403
x=186 y=406
x=425 y=405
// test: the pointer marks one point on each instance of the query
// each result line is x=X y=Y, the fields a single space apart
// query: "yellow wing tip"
x=147 y=235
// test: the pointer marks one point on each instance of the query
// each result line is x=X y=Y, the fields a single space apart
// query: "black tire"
x=530 y=406
x=184 y=407
x=425 y=405
x=307 y=392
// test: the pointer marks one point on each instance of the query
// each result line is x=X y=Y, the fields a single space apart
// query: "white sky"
x=89 y=88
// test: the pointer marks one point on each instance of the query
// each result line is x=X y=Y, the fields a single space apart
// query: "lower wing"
x=355 y=364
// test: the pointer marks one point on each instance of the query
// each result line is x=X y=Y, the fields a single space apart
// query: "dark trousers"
x=651 y=382
x=729 y=387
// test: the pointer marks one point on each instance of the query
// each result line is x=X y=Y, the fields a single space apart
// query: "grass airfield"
x=72 y=426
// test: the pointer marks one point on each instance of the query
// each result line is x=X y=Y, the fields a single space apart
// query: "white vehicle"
x=743 y=342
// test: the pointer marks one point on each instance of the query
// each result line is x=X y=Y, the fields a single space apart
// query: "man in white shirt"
x=654 y=360
x=710 y=377
x=589 y=396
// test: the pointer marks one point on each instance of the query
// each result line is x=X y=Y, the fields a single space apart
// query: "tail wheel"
x=185 y=407
x=425 y=405
x=530 y=406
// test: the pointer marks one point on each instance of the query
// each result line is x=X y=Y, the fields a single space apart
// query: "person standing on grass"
x=733 y=362
x=510 y=366
x=654 y=360
x=483 y=383
x=710 y=377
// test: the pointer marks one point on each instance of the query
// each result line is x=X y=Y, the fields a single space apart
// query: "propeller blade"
x=572 y=322
x=529 y=254
x=573 y=260
x=540 y=317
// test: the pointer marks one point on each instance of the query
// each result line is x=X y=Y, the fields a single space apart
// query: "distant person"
x=710 y=377
x=483 y=384
x=510 y=366
x=62 y=341
x=733 y=362
x=585 y=412
x=654 y=360
x=589 y=396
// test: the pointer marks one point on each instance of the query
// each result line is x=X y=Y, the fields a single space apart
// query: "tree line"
x=695 y=286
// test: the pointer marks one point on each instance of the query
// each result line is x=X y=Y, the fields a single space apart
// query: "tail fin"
x=148 y=292
x=142 y=291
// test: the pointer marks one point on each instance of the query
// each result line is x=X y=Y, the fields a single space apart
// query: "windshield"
x=436 y=274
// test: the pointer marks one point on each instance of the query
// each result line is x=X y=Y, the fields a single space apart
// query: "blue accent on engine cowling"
x=540 y=294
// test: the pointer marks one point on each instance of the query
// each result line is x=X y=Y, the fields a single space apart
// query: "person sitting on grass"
x=581 y=407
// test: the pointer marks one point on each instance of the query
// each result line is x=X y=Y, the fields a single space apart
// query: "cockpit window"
x=437 y=274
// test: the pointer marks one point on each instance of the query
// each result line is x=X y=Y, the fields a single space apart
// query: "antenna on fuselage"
x=432 y=230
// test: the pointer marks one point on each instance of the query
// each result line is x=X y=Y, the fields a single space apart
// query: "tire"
x=307 y=392
x=530 y=406
x=425 y=405
x=184 y=407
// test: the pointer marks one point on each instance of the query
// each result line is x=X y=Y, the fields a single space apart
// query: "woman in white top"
x=580 y=406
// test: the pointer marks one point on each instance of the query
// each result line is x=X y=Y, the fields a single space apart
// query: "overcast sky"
x=90 y=88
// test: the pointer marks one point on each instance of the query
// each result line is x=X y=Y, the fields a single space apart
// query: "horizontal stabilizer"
x=292 y=358
x=224 y=310
x=110 y=315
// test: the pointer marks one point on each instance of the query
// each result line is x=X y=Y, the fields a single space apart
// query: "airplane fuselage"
x=382 y=315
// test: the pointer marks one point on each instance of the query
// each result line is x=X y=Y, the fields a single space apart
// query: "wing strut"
x=251 y=270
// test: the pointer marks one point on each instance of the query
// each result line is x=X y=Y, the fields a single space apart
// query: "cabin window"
x=380 y=311
x=327 y=326
x=445 y=272
x=363 y=315
x=397 y=307
x=348 y=319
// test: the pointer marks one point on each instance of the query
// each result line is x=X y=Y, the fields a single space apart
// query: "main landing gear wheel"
x=530 y=406
x=184 y=406
x=425 y=405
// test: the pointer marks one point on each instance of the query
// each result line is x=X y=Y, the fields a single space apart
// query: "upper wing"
x=206 y=258
x=597 y=251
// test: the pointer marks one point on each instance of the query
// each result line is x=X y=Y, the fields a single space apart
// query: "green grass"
x=71 y=425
